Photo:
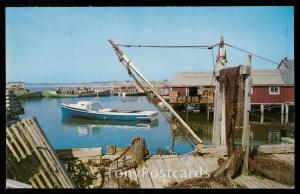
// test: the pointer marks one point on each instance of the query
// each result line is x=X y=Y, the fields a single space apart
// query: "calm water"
x=78 y=132
x=74 y=133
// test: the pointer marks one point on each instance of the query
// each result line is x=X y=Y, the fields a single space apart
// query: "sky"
x=52 y=44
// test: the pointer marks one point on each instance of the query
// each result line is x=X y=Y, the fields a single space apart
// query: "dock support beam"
x=282 y=113
x=286 y=113
x=261 y=113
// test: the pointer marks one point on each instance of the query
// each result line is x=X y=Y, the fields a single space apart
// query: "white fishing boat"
x=93 y=109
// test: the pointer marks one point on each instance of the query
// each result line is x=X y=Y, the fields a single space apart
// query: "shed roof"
x=260 y=78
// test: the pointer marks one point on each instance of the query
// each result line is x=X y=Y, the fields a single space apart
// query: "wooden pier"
x=193 y=165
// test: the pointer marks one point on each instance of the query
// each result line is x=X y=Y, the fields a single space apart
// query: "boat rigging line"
x=130 y=66
x=168 y=46
x=199 y=47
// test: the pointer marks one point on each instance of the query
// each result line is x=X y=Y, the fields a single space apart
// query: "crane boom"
x=130 y=66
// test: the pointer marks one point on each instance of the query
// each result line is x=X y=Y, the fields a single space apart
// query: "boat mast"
x=129 y=65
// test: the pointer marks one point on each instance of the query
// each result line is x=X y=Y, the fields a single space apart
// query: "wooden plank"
x=45 y=178
x=52 y=177
x=36 y=151
x=275 y=184
x=154 y=173
x=175 y=166
x=187 y=163
x=144 y=177
x=210 y=163
x=28 y=132
x=243 y=183
x=15 y=143
x=260 y=182
x=163 y=168
x=38 y=180
x=192 y=171
x=79 y=152
x=203 y=163
x=10 y=147
x=221 y=150
x=33 y=183
x=250 y=184
x=276 y=149
x=256 y=182
x=48 y=152
x=20 y=139
x=201 y=168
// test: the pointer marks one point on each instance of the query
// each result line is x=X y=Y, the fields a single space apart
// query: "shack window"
x=274 y=90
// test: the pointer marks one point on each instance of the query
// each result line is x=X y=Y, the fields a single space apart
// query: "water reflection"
x=87 y=126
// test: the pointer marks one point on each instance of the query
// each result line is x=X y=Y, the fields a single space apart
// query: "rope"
x=168 y=46
x=198 y=47
x=251 y=53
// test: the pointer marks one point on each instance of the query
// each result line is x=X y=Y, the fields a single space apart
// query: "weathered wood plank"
x=250 y=183
x=167 y=178
x=53 y=178
x=36 y=151
x=213 y=163
x=30 y=130
x=20 y=139
x=144 y=177
x=49 y=185
x=195 y=163
x=276 y=149
x=154 y=173
x=10 y=147
x=32 y=182
x=79 y=152
x=51 y=154
x=40 y=183
x=10 y=135
x=220 y=150
x=260 y=182
x=203 y=163
x=174 y=164
x=275 y=184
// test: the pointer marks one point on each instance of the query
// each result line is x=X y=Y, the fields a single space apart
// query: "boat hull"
x=66 y=111
x=53 y=95
x=37 y=94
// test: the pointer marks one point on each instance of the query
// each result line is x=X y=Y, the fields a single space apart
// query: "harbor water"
x=65 y=132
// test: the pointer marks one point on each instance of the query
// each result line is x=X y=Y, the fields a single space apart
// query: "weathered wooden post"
x=219 y=132
x=282 y=113
x=286 y=113
x=261 y=113
x=246 y=126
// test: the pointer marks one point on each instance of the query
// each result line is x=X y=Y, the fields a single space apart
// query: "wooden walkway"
x=160 y=170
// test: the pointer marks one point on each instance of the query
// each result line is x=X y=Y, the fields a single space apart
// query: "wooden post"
x=246 y=127
x=216 y=137
x=286 y=113
x=282 y=113
x=207 y=113
x=223 y=119
x=219 y=130
x=261 y=113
